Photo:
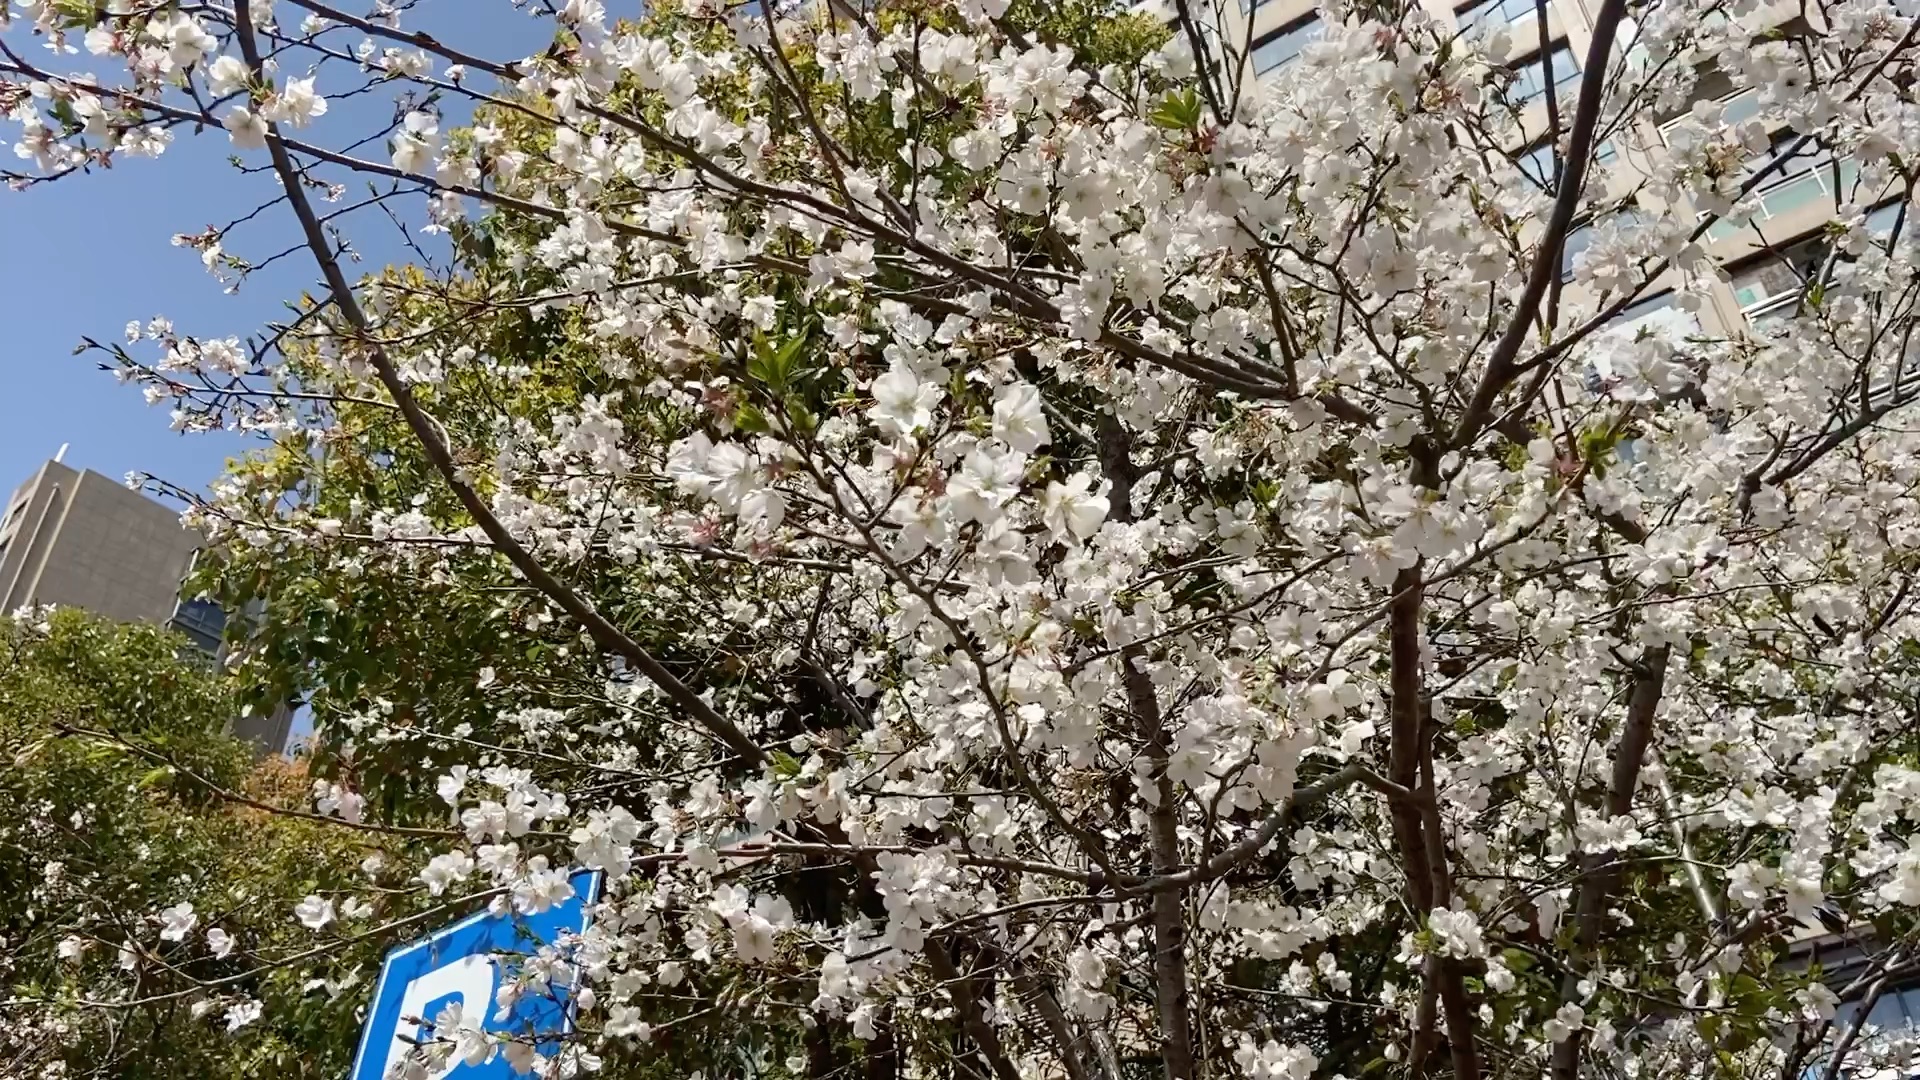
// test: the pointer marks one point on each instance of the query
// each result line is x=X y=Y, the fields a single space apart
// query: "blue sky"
x=83 y=256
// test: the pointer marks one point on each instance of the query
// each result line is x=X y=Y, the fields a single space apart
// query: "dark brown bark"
x=823 y=1057
x=1602 y=875
x=1169 y=905
x=1163 y=839
x=1418 y=833
x=961 y=986
x=883 y=1054
x=1072 y=1050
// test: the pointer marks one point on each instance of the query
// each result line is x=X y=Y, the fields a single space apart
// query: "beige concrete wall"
x=82 y=540
x=24 y=530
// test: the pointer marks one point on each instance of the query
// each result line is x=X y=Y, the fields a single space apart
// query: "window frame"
x=1584 y=230
x=1473 y=15
x=1542 y=152
x=1641 y=308
x=1310 y=21
x=1814 y=243
x=1535 y=62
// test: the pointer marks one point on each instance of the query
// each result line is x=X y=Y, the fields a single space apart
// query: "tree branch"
x=432 y=443
x=1546 y=260
x=1163 y=813
x=1596 y=891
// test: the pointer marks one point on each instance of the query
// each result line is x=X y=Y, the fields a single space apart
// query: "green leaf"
x=775 y=367
x=1177 y=111
x=799 y=417
x=74 y=14
x=750 y=419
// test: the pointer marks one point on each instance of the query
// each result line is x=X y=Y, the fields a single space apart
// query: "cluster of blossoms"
x=1074 y=556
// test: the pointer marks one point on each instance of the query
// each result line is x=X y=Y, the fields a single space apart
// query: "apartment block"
x=1766 y=262
x=75 y=538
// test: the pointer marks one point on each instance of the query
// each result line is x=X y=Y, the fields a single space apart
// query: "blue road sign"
x=458 y=963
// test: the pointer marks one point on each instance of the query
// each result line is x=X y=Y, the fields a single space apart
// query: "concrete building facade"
x=78 y=539
x=74 y=538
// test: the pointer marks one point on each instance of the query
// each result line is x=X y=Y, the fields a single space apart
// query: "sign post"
x=457 y=963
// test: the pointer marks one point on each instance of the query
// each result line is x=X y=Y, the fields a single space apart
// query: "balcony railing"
x=1770 y=289
x=1807 y=180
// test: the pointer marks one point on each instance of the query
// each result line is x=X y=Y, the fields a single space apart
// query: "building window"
x=1769 y=287
x=1537 y=163
x=1880 y=222
x=1282 y=47
x=1657 y=314
x=201 y=620
x=1807 y=176
x=1579 y=238
x=1530 y=80
x=1895 y=1013
x=1895 y=1009
x=1640 y=309
x=1493 y=14
x=1734 y=108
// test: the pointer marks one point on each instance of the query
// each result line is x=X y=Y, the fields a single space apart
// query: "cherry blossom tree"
x=1022 y=550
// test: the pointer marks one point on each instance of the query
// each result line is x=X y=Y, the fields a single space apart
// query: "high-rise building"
x=78 y=539
x=75 y=538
